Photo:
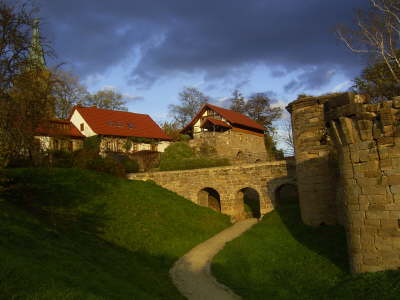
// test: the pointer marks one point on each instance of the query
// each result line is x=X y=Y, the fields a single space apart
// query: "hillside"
x=74 y=234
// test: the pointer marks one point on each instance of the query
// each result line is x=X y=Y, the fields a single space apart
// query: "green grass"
x=74 y=234
x=280 y=258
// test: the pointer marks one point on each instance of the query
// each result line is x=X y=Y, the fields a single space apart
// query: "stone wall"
x=238 y=147
x=264 y=178
x=315 y=175
x=364 y=140
x=367 y=137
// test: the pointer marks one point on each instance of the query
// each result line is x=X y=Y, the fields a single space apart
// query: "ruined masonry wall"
x=315 y=175
x=368 y=139
x=265 y=178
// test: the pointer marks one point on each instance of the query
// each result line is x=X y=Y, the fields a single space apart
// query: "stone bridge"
x=225 y=188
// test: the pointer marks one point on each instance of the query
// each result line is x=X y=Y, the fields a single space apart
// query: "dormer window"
x=82 y=126
x=131 y=126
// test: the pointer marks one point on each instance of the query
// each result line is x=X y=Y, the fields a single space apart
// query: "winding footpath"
x=191 y=273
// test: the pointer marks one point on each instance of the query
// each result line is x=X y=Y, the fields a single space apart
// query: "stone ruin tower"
x=348 y=172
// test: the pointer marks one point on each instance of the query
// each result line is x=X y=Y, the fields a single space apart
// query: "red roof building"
x=59 y=128
x=95 y=121
x=214 y=118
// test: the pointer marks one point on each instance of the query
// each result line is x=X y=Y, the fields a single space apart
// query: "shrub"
x=130 y=165
x=92 y=144
x=61 y=159
x=179 y=156
x=177 y=150
x=106 y=165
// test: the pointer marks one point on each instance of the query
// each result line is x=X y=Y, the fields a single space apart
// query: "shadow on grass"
x=77 y=265
x=64 y=199
x=327 y=241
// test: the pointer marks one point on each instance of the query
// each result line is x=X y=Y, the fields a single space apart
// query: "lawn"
x=74 y=234
x=280 y=258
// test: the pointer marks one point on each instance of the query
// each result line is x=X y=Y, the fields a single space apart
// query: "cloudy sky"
x=150 y=49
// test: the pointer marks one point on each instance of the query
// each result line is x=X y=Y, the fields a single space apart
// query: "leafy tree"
x=191 y=101
x=172 y=129
x=107 y=99
x=238 y=102
x=376 y=81
x=26 y=87
x=68 y=92
x=258 y=108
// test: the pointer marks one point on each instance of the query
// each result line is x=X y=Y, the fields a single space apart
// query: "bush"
x=177 y=150
x=92 y=144
x=106 y=165
x=179 y=156
x=61 y=159
x=130 y=165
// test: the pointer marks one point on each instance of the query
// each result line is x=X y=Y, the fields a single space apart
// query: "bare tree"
x=377 y=33
x=258 y=107
x=237 y=102
x=286 y=136
x=68 y=92
x=191 y=101
x=107 y=99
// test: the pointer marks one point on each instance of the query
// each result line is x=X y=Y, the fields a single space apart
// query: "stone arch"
x=286 y=193
x=272 y=186
x=209 y=197
x=249 y=202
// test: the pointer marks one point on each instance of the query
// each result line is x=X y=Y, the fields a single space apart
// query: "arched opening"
x=210 y=198
x=251 y=202
x=286 y=194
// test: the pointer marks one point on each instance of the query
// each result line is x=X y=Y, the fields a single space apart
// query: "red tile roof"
x=231 y=116
x=121 y=123
x=58 y=127
x=217 y=122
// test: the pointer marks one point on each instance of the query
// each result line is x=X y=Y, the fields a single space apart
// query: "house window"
x=82 y=127
x=135 y=147
x=153 y=147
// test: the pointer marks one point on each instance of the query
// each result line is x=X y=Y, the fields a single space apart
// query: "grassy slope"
x=280 y=258
x=83 y=235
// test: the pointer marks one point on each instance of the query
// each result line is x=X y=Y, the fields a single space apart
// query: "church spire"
x=36 y=52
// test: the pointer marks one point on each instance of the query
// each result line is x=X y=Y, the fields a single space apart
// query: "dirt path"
x=191 y=273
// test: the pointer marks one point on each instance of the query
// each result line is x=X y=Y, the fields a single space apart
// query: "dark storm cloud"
x=214 y=37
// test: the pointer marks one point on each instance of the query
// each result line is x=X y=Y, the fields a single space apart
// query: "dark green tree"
x=377 y=82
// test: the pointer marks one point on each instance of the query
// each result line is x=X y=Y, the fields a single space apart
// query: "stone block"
x=393 y=180
x=386 y=140
x=374 y=190
x=385 y=164
x=396 y=102
x=389 y=224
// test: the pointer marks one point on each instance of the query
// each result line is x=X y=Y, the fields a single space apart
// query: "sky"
x=150 y=50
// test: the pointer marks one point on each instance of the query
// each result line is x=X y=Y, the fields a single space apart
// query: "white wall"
x=77 y=120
